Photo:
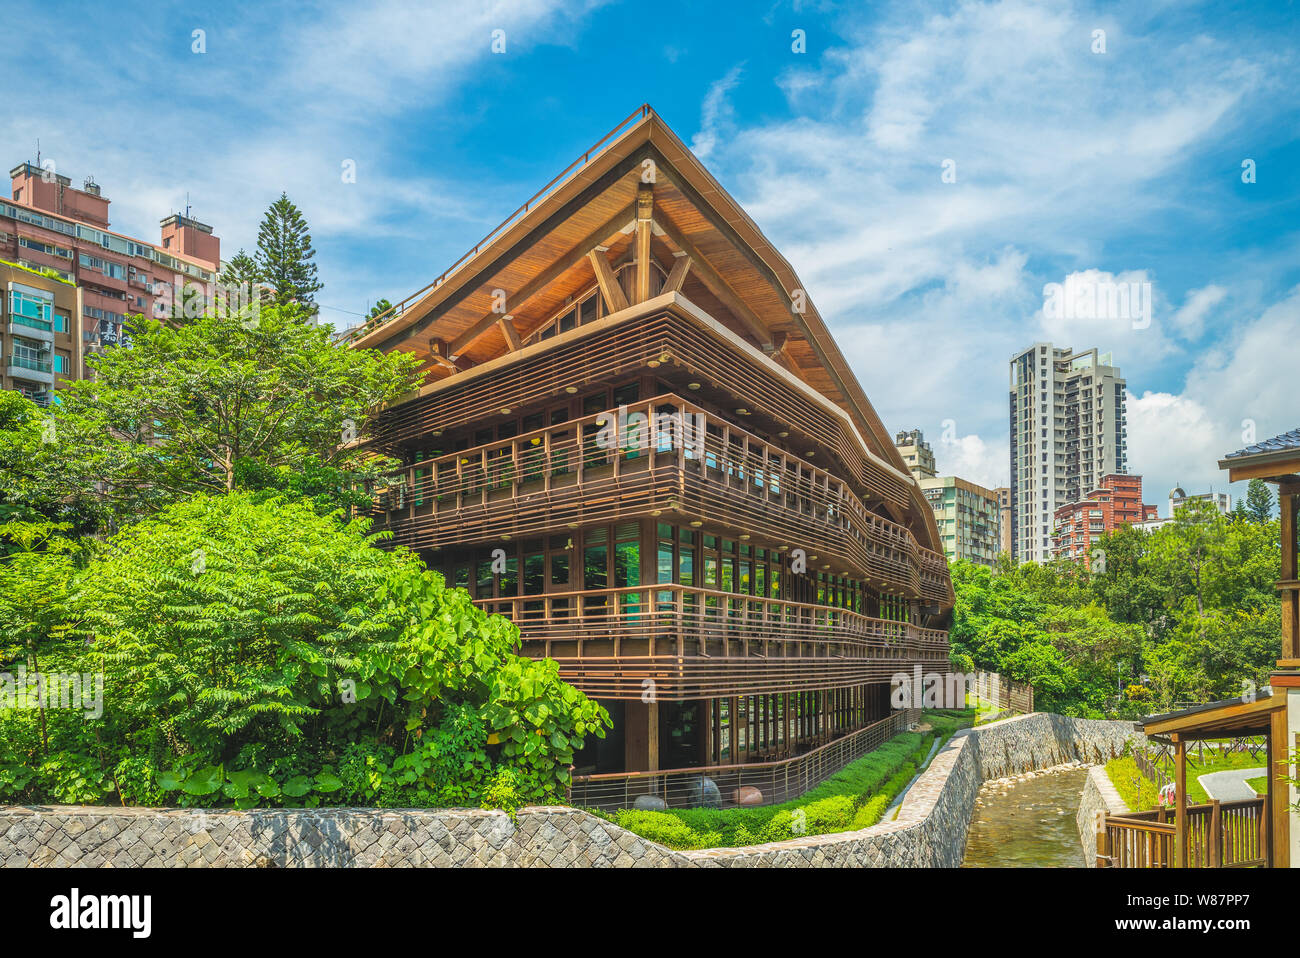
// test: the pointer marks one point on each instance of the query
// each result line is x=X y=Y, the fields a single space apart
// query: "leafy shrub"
x=257 y=652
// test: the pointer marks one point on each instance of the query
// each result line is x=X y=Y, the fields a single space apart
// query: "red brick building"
x=1117 y=502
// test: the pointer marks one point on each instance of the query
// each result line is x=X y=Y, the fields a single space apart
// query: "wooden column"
x=1279 y=791
x=1180 y=796
x=704 y=718
x=644 y=219
x=641 y=736
x=1288 y=497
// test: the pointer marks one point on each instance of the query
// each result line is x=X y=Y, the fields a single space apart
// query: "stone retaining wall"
x=1099 y=794
x=929 y=831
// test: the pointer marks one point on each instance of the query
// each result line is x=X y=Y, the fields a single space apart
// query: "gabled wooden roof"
x=538 y=261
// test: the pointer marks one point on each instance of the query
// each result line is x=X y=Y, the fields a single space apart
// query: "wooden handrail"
x=721 y=451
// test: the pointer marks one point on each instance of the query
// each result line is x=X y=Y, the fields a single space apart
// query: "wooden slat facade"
x=639 y=442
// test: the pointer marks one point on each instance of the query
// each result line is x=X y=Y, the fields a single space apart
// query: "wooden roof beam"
x=508 y=330
x=546 y=277
x=716 y=284
x=615 y=301
x=677 y=275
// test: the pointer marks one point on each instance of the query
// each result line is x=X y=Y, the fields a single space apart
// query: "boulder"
x=650 y=803
x=747 y=795
x=706 y=793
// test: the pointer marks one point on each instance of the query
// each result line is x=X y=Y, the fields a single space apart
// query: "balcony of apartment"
x=655 y=457
x=695 y=643
x=37 y=394
x=30 y=365
x=30 y=327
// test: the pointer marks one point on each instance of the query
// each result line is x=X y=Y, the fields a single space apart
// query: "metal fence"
x=722 y=786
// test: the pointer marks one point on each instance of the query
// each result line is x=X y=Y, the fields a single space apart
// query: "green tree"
x=284 y=256
x=188 y=406
x=41 y=479
x=1259 y=501
x=241 y=270
x=382 y=306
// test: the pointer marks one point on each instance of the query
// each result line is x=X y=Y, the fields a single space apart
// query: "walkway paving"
x=1230 y=786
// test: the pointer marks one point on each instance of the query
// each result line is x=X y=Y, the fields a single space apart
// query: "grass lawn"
x=854 y=797
x=1260 y=784
x=1140 y=793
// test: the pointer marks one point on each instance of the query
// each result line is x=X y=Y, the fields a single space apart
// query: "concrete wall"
x=930 y=830
x=1099 y=794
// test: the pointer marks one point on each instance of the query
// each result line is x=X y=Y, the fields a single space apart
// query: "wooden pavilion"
x=638 y=440
x=1202 y=833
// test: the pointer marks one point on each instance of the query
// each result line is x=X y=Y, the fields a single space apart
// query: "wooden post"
x=644 y=216
x=1103 y=843
x=1288 y=496
x=1215 y=858
x=1180 y=796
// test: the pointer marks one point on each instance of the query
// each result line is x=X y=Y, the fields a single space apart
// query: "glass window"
x=534 y=573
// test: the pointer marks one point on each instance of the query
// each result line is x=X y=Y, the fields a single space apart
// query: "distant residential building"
x=967 y=517
x=1178 y=498
x=50 y=226
x=1116 y=502
x=916 y=452
x=40 y=337
x=1067 y=434
x=1004 y=518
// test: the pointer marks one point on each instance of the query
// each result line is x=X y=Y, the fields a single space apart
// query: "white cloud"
x=1240 y=387
x=1061 y=156
x=276 y=105
x=716 y=113
x=1189 y=320
x=978 y=459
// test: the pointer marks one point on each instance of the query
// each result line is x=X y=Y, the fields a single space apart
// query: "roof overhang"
x=1278 y=466
x=1228 y=719
x=537 y=257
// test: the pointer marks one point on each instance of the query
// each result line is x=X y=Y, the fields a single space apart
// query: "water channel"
x=1029 y=824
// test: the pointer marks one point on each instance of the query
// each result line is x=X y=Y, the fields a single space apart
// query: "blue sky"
x=1124 y=164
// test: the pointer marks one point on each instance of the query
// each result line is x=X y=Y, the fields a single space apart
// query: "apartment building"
x=1116 y=502
x=967 y=515
x=916 y=453
x=51 y=227
x=38 y=338
x=1068 y=432
x=1178 y=498
x=1004 y=518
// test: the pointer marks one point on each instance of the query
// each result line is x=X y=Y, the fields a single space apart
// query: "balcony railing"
x=692 y=642
x=675 y=337
x=775 y=782
x=40 y=366
x=661 y=454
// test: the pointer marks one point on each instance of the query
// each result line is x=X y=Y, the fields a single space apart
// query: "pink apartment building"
x=49 y=225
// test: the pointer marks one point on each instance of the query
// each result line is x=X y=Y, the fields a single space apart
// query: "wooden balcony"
x=678 y=335
x=658 y=456
x=689 y=643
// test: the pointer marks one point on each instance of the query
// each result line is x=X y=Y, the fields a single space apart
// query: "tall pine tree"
x=284 y=255
x=1259 y=501
x=240 y=269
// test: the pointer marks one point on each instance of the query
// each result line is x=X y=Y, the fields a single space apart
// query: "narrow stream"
x=1031 y=825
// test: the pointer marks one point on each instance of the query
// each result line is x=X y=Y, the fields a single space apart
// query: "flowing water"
x=1031 y=826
